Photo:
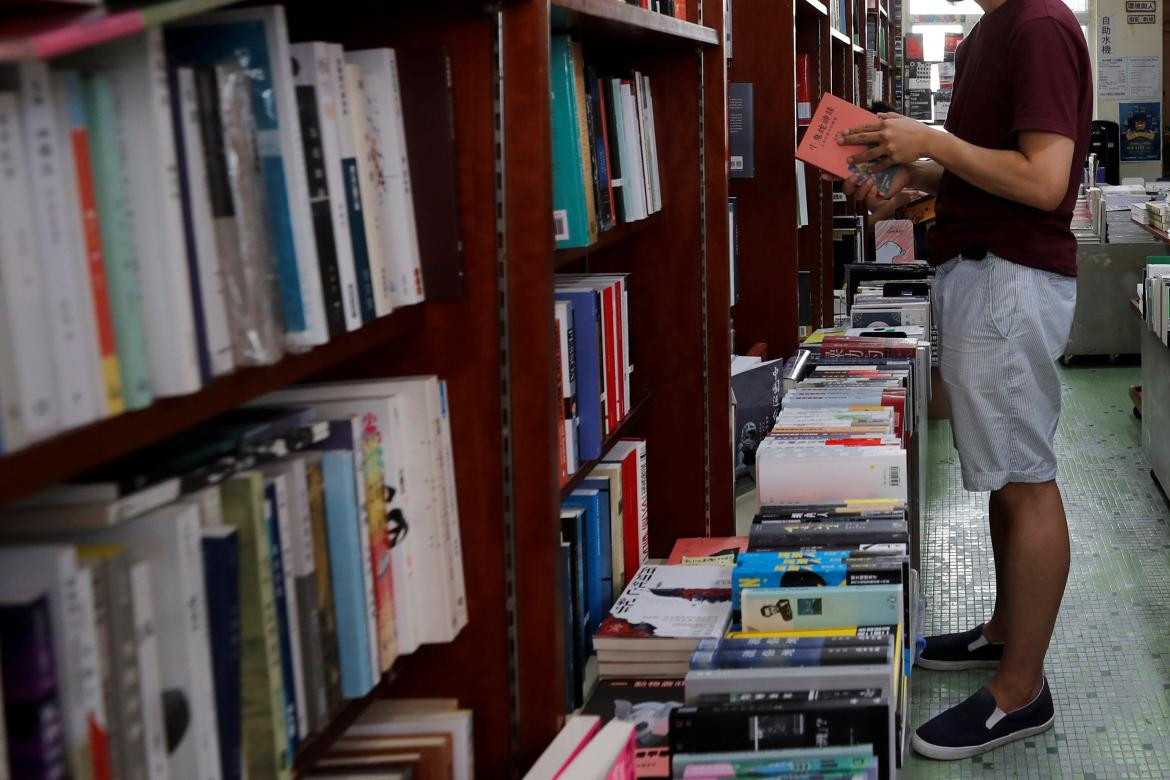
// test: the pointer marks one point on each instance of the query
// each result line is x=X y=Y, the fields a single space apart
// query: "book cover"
x=894 y=241
x=646 y=703
x=600 y=135
x=631 y=454
x=367 y=245
x=741 y=142
x=707 y=551
x=579 y=639
x=150 y=674
x=221 y=572
x=819 y=146
x=262 y=690
x=612 y=473
x=609 y=755
x=788 y=609
x=757 y=404
x=572 y=192
x=567 y=341
x=291 y=669
x=598 y=564
x=613 y=135
x=669 y=602
x=324 y=605
x=804 y=90
x=577 y=732
x=586 y=304
x=380 y=561
x=425 y=77
x=597 y=171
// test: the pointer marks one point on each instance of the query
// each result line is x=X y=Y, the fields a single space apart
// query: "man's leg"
x=995 y=629
x=1035 y=568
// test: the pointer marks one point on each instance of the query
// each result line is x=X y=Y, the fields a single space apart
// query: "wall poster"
x=1141 y=131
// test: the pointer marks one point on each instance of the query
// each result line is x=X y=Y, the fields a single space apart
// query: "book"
x=648 y=704
x=149 y=674
x=579 y=638
x=707 y=551
x=326 y=615
x=668 y=607
x=366 y=242
x=424 y=755
x=632 y=455
x=612 y=473
x=393 y=195
x=740 y=131
x=587 y=314
x=574 y=212
x=575 y=734
x=221 y=572
x=610 y=754
x=292 y=672
x=819 y=146
x=389 y=717
x=833 y=535
x=598 y=562
x=425 y=78
x=262 y=712
x=804 y=90
x=894 y=241
x=599 y=149
x=854 y=760
x=567 y=348
x=797 y=608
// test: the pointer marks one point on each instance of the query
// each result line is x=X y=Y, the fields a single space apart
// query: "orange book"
x=819 y=146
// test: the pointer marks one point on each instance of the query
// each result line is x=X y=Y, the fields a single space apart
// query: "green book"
x=107 y=157
x=265 y=739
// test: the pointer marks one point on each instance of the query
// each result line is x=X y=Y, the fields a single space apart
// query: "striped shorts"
x=1001 y=328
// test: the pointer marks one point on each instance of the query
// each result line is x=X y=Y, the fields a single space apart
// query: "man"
x=1006 y=175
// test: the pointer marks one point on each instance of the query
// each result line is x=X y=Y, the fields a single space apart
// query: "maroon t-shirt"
x=1025 y=66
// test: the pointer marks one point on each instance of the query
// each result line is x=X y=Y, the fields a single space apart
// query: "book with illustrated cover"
x=707 y=551
x=894 y=241
x=820 y=148
x=669 y=606
x=646 y=703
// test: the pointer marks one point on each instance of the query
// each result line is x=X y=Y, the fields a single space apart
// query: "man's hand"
x=866 y=192
x=895 y=140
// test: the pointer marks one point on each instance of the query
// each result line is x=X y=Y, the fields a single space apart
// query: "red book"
x=613 y=380
x=840 y=346
x=622 y=338
x=804 y=90
x=914 y=47
x=631 y=454
x=700 y=549
x=819 y=146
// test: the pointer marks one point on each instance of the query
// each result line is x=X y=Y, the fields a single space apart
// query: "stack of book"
x=251 y=573
x=604 y=542
x=402 y=738
x=584 y=750
x=604 y=148
x=592 y=316
x=1119 y=203
x=189 y=200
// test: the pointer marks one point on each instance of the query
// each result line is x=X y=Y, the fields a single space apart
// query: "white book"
x=30 y=410
x=366 y=147
x=393 y=194
x=279 y=481
x=60 y=256
x=149 y=676
x=389 y=717
x=453 y=539
x=169 y=538
x=637 y=88
x=597 y=759
x=651 y=143
x=292 y=154
x=137 y=69
x=53 y=569
x=639 y=502
x=633 y=177
x=344 y=400
x=216 y=324
x=319 y=70
x=347 y=152
x=577 y=732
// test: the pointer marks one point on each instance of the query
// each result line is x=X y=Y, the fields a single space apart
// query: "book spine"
x=288 y=661
x=644 y=128
x=345 y=556
x=324 y=610
x=31 y=408
x=97 y=571
x=121 y=262
x=404 y=546
x=365 y=558
x=651 y=143
x=613 y=379
x=559 y=358
x=632 y=167
x=590 y=395
x=221 y=571
x=622 y=309
x=124 y=647
x=453 y=538
x=706 y=729
x=363 y=293
x=289 y=567
x=305 y=582
x=790 y=657
x=596 y=158
x=569 y=367
x=585 y=154
x=615 y=133
x=601 y=124
x=380 y=565
x=53 y=210
x=209 y=275
x=369 y=170
x=83 y=647
x=570 y=204
x=150 y=678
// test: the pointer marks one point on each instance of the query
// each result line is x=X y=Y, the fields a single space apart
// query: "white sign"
x=1132 y=79
x=1140 y=18
x=1112 y=83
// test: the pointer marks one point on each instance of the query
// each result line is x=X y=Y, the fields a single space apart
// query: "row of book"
x=205 y=605
x=604 y=148
x=592 y=317
x=604 y=543
x=189 y=200
x=1154 y=294
x=675 y=8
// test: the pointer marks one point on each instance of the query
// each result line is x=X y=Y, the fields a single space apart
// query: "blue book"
x=602 y=486
x=246 y=42
x=587 y=332
x=278 y=591
x=573 y=532
x=571 y=198
x=221 y=575
x=349 y=595
x=597 y=565
x=565 y=578
x=357 y=230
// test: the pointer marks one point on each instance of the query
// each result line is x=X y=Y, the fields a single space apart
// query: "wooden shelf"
x=1162 y=234
x=611 y=237
x=840 y=37
x=80 y=449
x=612 y=19
x=811 y=6
x=313 y=747
x=621 y=431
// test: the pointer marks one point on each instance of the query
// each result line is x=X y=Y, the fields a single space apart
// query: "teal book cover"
x=570 y=212
x=798 y=609
x=106 y=153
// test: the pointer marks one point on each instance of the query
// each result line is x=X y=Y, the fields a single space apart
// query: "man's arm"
x=925 y=175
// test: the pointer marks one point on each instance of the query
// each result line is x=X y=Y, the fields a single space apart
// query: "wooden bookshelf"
x=611 y=238
x=626 y=428
x=621 y=20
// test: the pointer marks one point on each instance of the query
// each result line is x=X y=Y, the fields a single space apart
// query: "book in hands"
x=819 y=146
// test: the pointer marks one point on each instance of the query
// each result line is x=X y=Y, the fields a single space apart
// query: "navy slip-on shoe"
x=964 y=650
x=978 y=725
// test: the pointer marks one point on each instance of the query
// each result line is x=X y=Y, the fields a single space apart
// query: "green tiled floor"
x=1110 y=659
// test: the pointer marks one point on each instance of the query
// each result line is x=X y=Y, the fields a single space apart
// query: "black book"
x=782 y=535
x=597 y=148
x=609 y=94
x=425 y=81
x=32 y=713
x=648 y=703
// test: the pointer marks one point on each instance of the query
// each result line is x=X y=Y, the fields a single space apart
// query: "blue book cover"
x=787 y=657
x=573 y=532
x=798 y=609
x=221 y=576
x=349 y=596
x=602 y=486
x=281 y=597
x=598 y=567
x=809 y=573
x=570 y=211
x=357 y=231
x=565 y=578
x=246 y=43
x=586 y=330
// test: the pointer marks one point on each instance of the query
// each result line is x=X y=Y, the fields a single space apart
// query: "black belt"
x=974 y=252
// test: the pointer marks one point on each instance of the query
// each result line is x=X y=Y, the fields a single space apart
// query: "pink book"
x=708 y=550
x=578 y=730
x=819 y=146
x=894 y=241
